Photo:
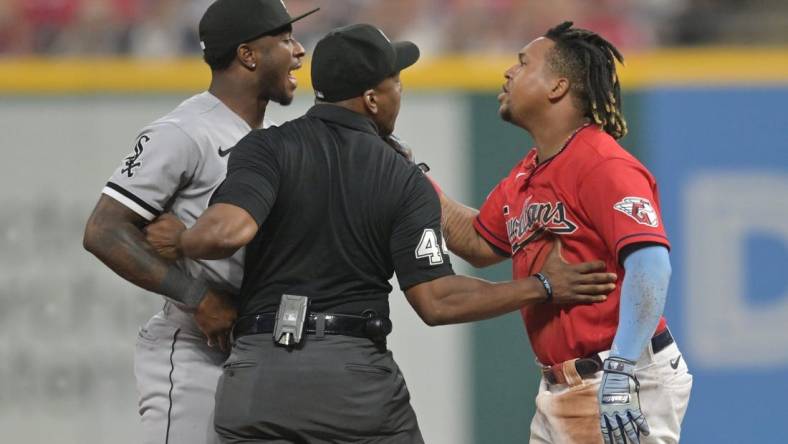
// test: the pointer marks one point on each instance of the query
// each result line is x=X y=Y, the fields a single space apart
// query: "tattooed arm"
x=114 y=235
x=462 y=238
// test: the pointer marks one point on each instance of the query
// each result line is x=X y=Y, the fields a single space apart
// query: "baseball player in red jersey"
x=611 y=366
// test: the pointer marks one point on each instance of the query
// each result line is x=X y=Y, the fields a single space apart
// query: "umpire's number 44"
x=429 y=247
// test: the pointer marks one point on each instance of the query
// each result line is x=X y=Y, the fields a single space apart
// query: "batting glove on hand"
x=619 y=403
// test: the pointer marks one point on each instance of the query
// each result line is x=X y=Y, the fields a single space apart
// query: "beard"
x=278 y=94
x=283 y=100
x=274 y=87
x=505 y=113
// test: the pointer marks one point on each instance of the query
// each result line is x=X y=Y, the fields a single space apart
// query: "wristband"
x=181 y=288
x=546 y=284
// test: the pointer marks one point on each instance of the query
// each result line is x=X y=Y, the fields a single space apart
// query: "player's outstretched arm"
x=218 y=233
x=461 y=237
x=455 y=299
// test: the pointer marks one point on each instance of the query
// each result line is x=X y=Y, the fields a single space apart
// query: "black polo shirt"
x=339 y=211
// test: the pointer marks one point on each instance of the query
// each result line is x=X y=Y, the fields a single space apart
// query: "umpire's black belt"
x=587 y=367
x=375 y=328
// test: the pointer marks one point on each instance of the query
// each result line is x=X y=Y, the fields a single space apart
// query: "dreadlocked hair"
x=589 y=62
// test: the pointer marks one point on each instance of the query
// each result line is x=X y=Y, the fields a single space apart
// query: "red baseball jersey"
x=598 y=198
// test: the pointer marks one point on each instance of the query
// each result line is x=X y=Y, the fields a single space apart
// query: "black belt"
x=661 y=340
x=375 y=328
x=589 y=366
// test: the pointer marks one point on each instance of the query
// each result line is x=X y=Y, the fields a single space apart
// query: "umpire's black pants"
x=335 y=389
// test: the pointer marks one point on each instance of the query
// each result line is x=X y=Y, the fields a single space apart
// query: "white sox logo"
x=639 y=209
x=131 y=161
x=535 y=219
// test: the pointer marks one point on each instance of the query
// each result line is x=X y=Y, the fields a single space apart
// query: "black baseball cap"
x=228 y=23
x=355 y=58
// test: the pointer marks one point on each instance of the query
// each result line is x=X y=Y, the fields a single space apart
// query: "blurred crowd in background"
x=167 y=28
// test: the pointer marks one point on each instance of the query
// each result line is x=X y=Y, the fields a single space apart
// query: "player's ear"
x=559 y=88
x=371 y=101
x=247 y=56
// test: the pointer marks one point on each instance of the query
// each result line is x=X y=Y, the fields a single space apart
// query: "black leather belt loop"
x=318 y=324
x=661 y=340
x=589 y=366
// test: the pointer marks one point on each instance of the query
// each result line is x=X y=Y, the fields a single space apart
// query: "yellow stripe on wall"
x=693 y=67
x=709 y=66
x=92 y=75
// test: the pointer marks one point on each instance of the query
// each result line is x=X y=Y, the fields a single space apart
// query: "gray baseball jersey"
x=177 y=163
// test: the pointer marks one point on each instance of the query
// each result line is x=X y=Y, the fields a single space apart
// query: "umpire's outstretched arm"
x=454 y=299
x=218 y=233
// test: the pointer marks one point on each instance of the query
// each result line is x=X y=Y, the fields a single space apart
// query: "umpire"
x=328 y=212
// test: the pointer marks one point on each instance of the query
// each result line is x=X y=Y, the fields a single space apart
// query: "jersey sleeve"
x=418 y=250
x=491 y=221
x=163 y=160
x=253 y=175
x=621 y=200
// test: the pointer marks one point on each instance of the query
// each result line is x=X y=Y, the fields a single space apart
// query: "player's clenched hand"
x=575 y=283
x=621 y=420
x=163 y=234
x=215 y=316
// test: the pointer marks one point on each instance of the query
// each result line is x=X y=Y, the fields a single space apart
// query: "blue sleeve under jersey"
x=643 y=292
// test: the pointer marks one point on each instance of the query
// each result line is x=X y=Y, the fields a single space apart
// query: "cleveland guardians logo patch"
x=639 y=209
x=535 y=219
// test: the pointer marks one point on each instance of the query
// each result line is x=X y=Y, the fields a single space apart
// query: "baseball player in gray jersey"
x=176 y=164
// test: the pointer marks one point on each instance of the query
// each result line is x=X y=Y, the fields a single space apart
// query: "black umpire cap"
x=355 y=58
x=228 y=23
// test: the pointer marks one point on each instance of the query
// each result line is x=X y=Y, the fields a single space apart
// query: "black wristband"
x=546 y=284
x=181 y=288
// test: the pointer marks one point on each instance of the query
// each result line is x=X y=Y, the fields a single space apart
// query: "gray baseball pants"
x=176 y=375
x=334 y=389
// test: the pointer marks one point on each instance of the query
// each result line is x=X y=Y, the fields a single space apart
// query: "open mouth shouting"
x=291 y=77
